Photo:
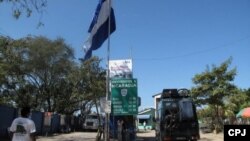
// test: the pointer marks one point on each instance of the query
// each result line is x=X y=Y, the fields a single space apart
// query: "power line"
x=195 y=52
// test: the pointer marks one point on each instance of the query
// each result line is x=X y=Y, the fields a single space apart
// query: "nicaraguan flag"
x=99 y=27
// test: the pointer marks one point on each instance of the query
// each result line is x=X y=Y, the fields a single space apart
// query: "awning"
x=143 y=116
x=244 y=113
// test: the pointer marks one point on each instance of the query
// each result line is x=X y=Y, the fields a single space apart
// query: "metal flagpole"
x=108 y=77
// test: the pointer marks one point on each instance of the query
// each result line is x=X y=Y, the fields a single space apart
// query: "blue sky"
x=169 y=40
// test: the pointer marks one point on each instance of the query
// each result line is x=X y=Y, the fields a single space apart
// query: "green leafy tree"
x=47 y=63
x=11 y=69
x=205 y=116
x=80 y=89
x=234 y=103
x=94 y=81
x=95 y=84
x=42 y=73
x=3 y=61
x=246 y=103
x=33 y=67
x=212 y=86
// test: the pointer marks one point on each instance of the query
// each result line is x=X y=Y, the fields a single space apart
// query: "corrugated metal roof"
x=143 y=116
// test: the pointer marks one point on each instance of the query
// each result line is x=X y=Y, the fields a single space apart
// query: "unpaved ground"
x=75 y=136
x=150 y=136
x=143 y=136
x=212 y=137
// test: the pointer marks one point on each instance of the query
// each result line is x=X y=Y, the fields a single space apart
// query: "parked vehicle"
x=176 y=117
x=92 y=122
x=205 y=128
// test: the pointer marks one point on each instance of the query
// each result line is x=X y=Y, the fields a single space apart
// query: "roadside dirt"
x=75 y=136
x=150 y=136
x=212 y=137
x=141 y=136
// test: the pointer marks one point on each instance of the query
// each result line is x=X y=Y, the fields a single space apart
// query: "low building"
x=145 y=119
x=157 y=98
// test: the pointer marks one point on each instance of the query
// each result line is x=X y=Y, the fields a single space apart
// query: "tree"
x=246 y=103
x=86 y=83
x=34 y=65
x=234 y=103
x=212 y=86
x=3 y=66
x=95 y=85
x=11 y=69
x=42 y=73
x=205 y=117
x=48 y=62
x=93 y=81
x=20 y=7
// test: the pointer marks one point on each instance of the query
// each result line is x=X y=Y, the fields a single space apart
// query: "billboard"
x=120 y=68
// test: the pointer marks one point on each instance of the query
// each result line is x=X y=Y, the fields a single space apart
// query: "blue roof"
x=143 y=116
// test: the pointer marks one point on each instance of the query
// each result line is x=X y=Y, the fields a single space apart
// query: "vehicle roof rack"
x=174 y=93
x=168 y=93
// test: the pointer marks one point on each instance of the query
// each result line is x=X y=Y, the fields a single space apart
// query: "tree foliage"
x=20 y=7
x=213 y=86
x=27 y=7
x=11 y=65
x=47 y=63
x=42 y=73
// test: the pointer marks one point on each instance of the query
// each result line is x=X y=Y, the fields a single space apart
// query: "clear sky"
x=169 y=40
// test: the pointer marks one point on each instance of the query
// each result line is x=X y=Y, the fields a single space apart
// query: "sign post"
x=124 y=96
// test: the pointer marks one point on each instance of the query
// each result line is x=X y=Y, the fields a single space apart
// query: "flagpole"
x=108 y=77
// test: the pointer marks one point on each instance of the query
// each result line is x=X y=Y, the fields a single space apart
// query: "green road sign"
x=124 y=96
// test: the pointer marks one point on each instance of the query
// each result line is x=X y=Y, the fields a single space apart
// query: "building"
x=147 y=115
x=157 y=98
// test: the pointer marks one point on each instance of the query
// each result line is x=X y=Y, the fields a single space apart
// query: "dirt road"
x=212 y=137
x=150 y=136
x=143 y=136
x=75 y=136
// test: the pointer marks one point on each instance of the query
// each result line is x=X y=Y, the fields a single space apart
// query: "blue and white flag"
x=99 y=27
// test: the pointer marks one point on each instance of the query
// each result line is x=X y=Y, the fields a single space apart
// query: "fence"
x=7 y=115
x=46 y=123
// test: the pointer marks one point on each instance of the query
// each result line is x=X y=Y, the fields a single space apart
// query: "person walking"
x=23 y=128
x=144 y=125
x=120 y=130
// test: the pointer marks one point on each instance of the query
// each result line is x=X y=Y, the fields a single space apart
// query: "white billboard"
x=120 y=68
